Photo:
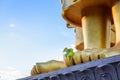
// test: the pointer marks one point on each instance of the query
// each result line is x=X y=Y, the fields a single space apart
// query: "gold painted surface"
x=116 y=17
x=72 y=13
x=47 y=67
x=96 y=28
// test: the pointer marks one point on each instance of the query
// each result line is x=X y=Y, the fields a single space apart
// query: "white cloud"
x=10 y=74
x=12 y=25
x=10 y=68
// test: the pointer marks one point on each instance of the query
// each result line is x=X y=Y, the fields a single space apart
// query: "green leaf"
x=68 y=52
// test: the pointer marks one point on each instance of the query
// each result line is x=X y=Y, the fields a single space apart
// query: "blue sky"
x=32 y=31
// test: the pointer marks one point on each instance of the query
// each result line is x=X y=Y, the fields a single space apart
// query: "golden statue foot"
x=44 y=67
x=115 y=50
x=82 y=56
x=87 y=55
x=90 y=55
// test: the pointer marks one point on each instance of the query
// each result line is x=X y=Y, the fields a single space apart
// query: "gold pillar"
x=116 y=17
x=79 y=38
x=96 y=27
